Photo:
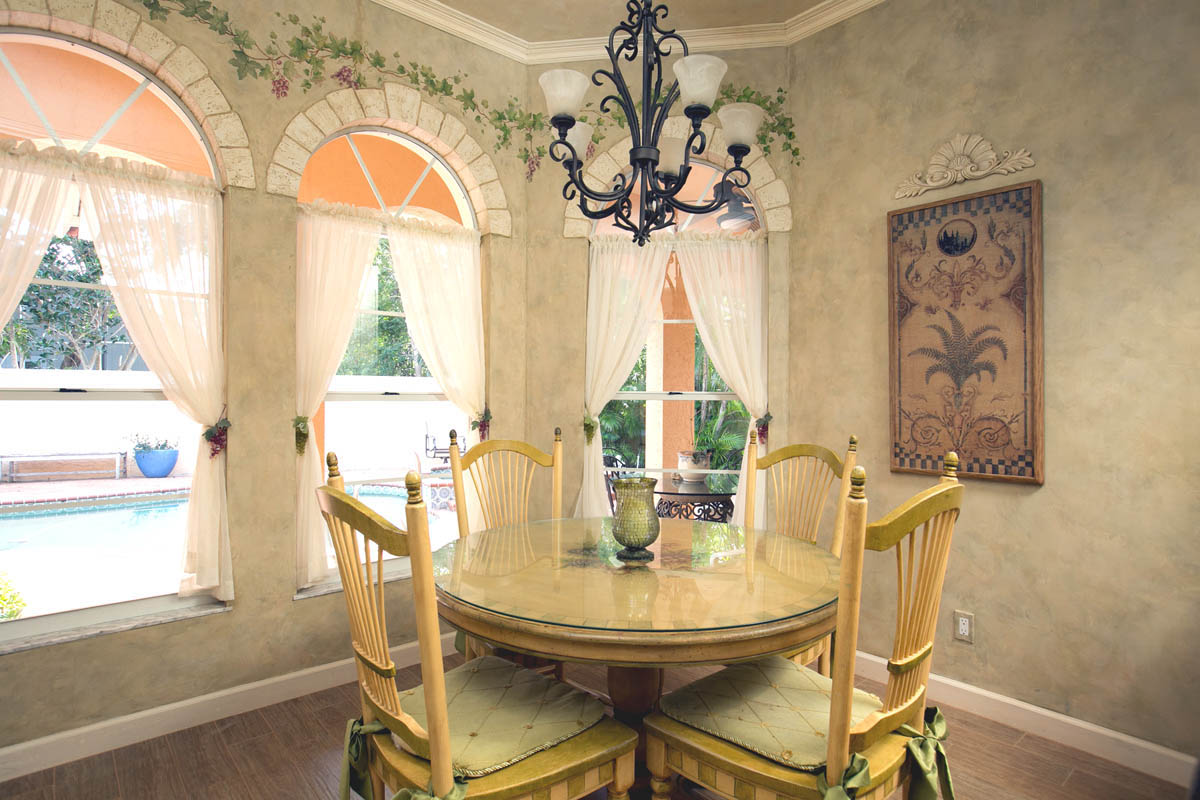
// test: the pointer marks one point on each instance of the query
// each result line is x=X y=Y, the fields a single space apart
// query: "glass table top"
x=704 y=576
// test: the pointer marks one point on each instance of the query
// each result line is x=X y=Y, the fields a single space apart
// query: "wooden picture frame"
x=965 y=334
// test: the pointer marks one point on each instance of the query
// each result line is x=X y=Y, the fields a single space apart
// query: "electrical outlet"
x=964 y=626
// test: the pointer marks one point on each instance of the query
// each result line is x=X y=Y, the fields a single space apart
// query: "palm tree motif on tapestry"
x=961 y=358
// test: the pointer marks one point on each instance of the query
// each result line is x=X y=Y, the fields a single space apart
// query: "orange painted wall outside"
x=332 y=174
x=53 y=75
x=317 y=424
x=679 y=367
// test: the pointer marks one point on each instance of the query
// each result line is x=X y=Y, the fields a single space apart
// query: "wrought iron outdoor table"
x=688 y=500
x=714 y=594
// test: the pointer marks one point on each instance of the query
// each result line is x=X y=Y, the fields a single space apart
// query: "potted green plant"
x=155 y=457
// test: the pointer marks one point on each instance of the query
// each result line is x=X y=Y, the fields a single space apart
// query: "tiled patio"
x=95 y=489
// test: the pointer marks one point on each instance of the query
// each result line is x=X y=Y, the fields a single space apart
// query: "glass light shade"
x=579 y=137
x=741 y=121
x=670 y=158
x=699 y=79
x=564 y=90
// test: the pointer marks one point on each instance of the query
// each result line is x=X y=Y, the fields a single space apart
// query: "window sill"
x=69 y=626
x=397 y=569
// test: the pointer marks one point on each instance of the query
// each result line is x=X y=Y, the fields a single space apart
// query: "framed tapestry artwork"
x=965 y=283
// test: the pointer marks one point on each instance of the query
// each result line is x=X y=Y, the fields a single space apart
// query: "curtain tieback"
x=356 y=775
x=762 y=425
x=300 y=426
x=856 y=776
x=927 y=753
x=590 y=424
x=482 y=423
x=217 y=436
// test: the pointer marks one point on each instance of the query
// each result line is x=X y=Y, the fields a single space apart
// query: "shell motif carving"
x=966 y=157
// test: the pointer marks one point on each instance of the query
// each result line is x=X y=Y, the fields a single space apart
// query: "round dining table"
x=714 y=593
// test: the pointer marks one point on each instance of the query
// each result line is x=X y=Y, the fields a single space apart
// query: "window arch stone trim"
x=113 y=27
x=403 y=109
x=770 y=192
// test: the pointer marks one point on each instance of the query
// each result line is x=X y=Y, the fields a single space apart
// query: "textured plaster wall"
x=267 y=633
x=1086 y=591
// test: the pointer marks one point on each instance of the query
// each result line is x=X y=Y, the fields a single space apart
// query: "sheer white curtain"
x=438 y=272
x=158 y=235
x=624 y=288
x=724 y=279
x=33 y=193
x=334 y=247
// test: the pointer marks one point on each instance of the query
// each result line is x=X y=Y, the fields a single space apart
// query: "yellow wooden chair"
x=509 y=732
x=502 y=472
x=799 y=479
x=807 y=729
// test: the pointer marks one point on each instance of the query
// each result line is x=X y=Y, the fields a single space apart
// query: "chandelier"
x=658 y=165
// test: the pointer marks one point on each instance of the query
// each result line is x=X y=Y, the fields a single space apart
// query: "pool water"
x=76 y=558
x=64 y=559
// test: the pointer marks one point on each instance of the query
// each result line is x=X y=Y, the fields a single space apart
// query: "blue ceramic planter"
x=156 y=463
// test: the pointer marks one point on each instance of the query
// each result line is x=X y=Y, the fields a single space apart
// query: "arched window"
x=674 y=400
x=385 y=413
x=78 y=403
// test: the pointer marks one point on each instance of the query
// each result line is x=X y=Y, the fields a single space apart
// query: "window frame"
x=666 y=397
x=687 y=396
x=388 y=388
x=65 y=386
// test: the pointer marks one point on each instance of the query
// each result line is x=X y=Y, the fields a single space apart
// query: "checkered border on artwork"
x=1020 y=466
x=1020 y=200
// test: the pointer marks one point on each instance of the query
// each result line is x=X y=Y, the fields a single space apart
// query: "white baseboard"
x=1120 y=748
x=59 y=748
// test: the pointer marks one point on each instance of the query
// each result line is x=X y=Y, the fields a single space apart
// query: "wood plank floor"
x=293 y=750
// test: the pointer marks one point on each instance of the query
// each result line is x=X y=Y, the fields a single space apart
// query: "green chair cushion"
x=501 y=713
x=773 y=707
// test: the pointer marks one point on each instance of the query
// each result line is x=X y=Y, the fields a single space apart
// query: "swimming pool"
x=68 y=558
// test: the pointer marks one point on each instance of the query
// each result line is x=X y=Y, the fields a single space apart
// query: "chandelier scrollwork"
x=658 y=166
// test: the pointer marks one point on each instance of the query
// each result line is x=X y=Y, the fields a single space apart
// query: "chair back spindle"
x=360 y=538
x=502 y=472
x=799 y=478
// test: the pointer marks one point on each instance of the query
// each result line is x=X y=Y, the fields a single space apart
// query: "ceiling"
x=553 y=31
x=549 y=20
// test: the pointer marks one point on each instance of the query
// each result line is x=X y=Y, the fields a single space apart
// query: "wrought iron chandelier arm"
x=630 y=28
x=734 y=177
x=562 y=151
x=661 y=110
x=668 y=185
x=622 y=97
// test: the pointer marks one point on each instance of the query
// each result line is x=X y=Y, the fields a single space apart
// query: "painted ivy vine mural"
x=306 y=54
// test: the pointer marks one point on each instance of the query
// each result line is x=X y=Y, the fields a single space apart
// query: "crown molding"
x=464 y=26
x=824 y=15
x=736 y=37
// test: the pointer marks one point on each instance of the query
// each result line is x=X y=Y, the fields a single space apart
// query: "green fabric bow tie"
x=354 y=758
x=458 y=792
x=928 y=754
x=856 y=776
x=356 y=776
